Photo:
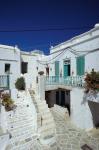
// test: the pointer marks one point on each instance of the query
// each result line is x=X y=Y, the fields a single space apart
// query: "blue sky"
x=76 y=16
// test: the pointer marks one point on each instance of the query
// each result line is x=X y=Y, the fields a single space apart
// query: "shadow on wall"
x=94 y=108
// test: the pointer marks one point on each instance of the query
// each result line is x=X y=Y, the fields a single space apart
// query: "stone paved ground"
x=71 y=138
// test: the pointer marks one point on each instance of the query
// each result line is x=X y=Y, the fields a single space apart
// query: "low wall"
x=4 y=139
x=80 y=113
x=3 y=119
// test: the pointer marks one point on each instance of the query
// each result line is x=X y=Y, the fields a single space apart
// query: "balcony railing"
x=4 y=81
x=76 y=81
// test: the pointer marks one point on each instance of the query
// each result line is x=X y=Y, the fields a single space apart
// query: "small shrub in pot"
x=41 y=72
x=7 y=102
x=20 y=83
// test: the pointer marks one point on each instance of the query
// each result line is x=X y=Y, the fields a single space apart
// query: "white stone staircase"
x=21 y=124
x=61 y=111
x=45 y=121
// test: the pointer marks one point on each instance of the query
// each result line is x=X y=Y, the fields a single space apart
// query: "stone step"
x=48 y=133
x=16 y=116
x=24 y=128
x=41 y=101
x=44 y=106
x=21 y=110
x=16 y=120
x=47 y=121
x=48 y=140
x=26 y=134
x=43 y=128
x=60 y=111
x=20 y=115
x=59 y=108
x=19 y=120
x=22 y=138
x=41 y=104
x=17 y=126
x=20 y=124
x=46 y=115
x=43 y=110
x=22 y=145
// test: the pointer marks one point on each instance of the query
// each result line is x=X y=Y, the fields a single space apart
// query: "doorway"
x=66 y=68
x=60 y=97
x=63 y=98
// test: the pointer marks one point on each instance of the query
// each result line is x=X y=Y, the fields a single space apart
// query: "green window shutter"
x=56 y=68
x=65 y=70
x=80 y=64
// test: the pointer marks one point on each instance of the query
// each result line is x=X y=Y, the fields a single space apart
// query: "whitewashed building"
x=10 y=68
x=30 y=66
x=68 y=63
x=62 y=82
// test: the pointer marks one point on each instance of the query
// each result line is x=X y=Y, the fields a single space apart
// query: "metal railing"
x=76 y=81
x=4 y=81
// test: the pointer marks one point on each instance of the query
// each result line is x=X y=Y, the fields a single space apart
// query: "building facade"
x=64 y=70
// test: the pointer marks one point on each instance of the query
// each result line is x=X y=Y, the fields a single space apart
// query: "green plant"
x=41 y=72
x=20 y=84
x=7 y=102
x=92 y=81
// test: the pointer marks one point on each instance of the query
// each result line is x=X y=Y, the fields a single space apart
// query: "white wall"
x=30 y=76
x=92 y=61
x=85 y=42
x=10 y=55
x=4 y=140
x=80 y=113
x=3 y=119
x=90 y=35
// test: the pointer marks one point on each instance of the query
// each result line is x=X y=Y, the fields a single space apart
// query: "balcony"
x=4 y=82
x=73 y=81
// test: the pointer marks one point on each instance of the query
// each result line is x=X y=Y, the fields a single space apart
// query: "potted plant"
x=7 y=102
x=92 y=81
x=41 y=72
x=20 y=84
x=92 y=95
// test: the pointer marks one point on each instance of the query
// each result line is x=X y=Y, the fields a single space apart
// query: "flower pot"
x=94 y=108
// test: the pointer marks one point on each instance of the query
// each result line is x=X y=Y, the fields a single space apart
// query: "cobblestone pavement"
x=71 y=138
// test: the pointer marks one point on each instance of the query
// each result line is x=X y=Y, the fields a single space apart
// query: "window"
x=47 y=71
x=80 y=65
x=7 y=68
x=57 y=68
x=24 y=67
